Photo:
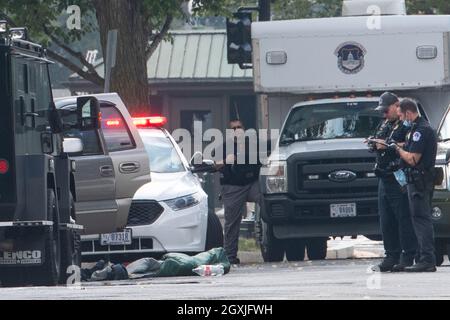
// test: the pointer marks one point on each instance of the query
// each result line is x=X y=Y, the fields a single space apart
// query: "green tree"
x=141 y=25
x=428 y=6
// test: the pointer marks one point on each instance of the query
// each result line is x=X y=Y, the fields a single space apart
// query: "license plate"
x=117 y=238
x=343 y=210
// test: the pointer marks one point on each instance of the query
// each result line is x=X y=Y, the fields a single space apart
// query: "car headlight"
x=276 y=177
x=445 y=181
x=183 y=202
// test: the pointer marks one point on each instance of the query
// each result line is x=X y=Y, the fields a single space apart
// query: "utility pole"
x=265 y=10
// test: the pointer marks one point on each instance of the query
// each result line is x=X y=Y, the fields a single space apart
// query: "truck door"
x=95 y=186
x=131 y=162
x=444 y=127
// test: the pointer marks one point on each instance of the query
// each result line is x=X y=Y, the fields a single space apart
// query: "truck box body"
x=385 y=58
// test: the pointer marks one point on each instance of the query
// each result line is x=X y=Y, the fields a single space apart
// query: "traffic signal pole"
x=239 y=42
x=264 y=10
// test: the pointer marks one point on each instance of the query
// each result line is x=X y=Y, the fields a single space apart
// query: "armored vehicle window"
x=331 y=121
x=115 y=130
x=32 y=101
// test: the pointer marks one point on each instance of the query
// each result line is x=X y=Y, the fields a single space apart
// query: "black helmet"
x=386 y=100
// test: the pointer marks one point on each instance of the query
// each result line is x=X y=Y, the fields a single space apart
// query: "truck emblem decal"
x=342 y=176
x=350 y=57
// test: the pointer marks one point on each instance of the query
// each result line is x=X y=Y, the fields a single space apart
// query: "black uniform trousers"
x=399 y=237
x=420 y=206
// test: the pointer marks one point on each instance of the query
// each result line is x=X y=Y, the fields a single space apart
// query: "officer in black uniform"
x=399 y=239
x=418 y=158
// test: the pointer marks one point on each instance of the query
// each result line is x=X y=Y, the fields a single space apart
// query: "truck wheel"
x=49 y=273
x=317 y=248
x=214 y=233
x=295 y=249
x=272 y=249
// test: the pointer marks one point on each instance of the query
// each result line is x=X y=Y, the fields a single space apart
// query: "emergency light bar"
x=150 y=122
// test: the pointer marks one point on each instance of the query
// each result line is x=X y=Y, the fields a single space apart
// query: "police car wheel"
x=295 y=249
x=214 y=233
x=272 y=249
x=317 y=248
x=49 y=273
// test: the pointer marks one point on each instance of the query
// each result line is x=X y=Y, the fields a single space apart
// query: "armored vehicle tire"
x=49 y=273
x=214 y=233
x=317 y=248
x=295 y=249
x=11 y=278
x=272 y=249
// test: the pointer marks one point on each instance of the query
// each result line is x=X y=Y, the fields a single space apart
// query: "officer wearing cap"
x=396 y=226
x=418 y=158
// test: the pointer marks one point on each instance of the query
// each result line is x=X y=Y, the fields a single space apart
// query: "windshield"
x=162 y=153
x=331 y=121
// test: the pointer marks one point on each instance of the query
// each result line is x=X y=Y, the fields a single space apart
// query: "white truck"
x=321 y=182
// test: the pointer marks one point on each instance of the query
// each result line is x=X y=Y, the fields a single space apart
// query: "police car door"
x=95 y=184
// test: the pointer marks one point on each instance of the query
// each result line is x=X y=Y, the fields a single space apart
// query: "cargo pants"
x=235 y=199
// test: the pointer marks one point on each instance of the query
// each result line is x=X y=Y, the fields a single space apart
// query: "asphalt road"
x=338 y=279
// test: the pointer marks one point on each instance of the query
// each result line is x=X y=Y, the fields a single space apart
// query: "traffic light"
x=239 y=32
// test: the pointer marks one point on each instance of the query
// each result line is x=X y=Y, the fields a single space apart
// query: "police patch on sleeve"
x=417 y=136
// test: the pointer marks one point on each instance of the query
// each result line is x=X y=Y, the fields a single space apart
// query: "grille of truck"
x=364 y=185
x=144 y=212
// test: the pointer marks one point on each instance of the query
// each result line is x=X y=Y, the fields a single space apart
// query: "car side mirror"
x=207 y=166
x=196 y=159
x=88 y=113
x=72 y=145
x=447 y=156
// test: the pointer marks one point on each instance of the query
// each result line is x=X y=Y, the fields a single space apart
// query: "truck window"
x=331 y=121
x=91 y=141
x=115 y=129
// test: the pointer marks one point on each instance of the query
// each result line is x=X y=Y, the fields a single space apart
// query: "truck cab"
x=319 y=81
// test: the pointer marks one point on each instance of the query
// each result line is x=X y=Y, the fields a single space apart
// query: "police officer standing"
x=418 y=157
x=239 y=180
x=399 y=239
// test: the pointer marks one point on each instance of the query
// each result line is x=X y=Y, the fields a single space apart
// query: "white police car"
x=169 y=214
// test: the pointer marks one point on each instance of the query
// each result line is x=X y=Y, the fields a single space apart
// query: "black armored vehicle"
x=39 y=237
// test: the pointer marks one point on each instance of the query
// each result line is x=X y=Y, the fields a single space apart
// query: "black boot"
x=404 y=263
x=422 y=267
x=386 y=265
